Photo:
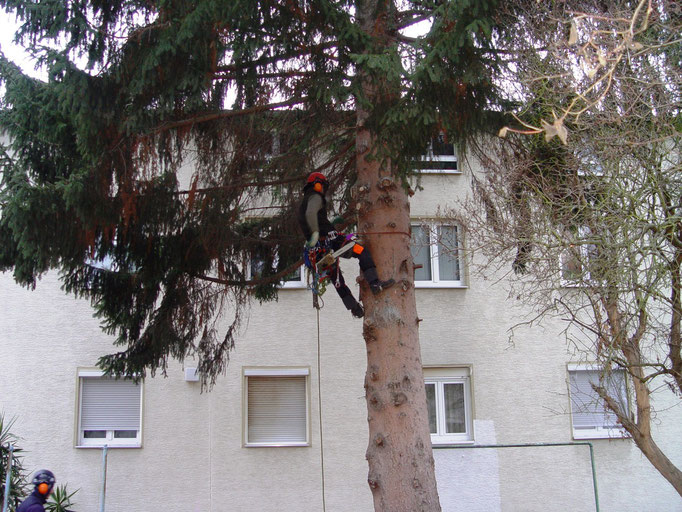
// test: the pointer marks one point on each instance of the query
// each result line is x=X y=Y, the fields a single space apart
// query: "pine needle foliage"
x=250 y=96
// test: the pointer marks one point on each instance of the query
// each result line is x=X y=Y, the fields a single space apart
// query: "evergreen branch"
x=342 y=152
x=232 y=186
x=263 y=61
x=412 y=18
x=226 y=114
x=253 y=282
x=280 y=74
x=406 y=39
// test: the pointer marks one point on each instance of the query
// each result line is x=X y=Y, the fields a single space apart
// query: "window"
x=294 y=280
x=265 y=144
x=448 y=397
x=441 y=157
x=109 y=411
x=256 y=265
x=589 y=415
x=276 y=407
x=435 y=251
x=580 y=261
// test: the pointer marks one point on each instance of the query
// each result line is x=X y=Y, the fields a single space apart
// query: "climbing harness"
x=321 y=261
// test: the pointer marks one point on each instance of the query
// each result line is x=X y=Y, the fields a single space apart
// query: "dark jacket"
x=34 y=503
x=313 y=217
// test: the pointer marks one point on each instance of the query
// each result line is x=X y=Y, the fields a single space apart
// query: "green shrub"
x=60 y=500
x=18 y=484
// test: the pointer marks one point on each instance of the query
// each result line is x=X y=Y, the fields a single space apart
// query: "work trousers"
x=335 y=242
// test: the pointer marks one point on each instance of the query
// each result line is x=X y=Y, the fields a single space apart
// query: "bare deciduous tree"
x=591 y=220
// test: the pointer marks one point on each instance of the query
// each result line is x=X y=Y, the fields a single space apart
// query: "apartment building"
x=514 y=425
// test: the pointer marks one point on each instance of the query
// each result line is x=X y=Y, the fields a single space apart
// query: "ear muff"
x=318 y=187
x=43 y=488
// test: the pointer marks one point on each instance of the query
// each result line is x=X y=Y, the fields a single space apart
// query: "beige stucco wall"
x=192 y=457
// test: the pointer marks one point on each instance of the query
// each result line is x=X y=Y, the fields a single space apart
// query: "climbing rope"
x=319 y=401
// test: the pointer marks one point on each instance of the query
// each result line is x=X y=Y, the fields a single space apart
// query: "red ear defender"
x=43 y=488
x=318 y=187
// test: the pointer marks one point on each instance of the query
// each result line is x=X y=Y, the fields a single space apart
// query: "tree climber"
x=312 y=217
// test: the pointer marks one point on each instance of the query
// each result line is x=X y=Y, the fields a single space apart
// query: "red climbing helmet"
x=318 y=181
x=317 y=177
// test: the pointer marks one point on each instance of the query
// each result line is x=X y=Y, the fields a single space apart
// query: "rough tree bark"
x=401 y=467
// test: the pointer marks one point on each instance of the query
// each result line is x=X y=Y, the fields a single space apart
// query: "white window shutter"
x=276 y=410
x=110 y=404
x=588 y=409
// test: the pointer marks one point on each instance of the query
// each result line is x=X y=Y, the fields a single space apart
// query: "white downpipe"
x=8 y=478
x=103 y=493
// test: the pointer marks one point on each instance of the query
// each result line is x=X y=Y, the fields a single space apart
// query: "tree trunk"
x=659 y=460
x=401 y=467
x=639 y=428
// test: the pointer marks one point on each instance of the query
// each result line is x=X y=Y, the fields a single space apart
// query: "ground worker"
x=312 y=217
x=43 y=483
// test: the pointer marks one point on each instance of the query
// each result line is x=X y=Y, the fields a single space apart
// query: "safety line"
x=319 y=402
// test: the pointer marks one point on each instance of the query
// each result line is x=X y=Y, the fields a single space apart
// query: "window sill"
x=445 y=443
x=580 y=284
x=109 y=446
x=290 y=286
x=438 y=171
x=429 y=284
x=579 y=435
x=276 y=445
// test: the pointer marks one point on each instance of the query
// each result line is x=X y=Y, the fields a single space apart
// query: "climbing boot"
x=357 y=311
x=353 y=306
x=375 y=284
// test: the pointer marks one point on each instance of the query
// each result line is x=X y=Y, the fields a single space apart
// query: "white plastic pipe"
x=8 y=479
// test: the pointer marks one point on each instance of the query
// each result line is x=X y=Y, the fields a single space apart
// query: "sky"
x=15 y=53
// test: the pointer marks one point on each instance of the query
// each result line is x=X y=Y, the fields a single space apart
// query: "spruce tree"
x=91 y=177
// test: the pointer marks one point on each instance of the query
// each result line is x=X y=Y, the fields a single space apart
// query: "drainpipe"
x=8 y=478
x=535 y=445
x=104 y=478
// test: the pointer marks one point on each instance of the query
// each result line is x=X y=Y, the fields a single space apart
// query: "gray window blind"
x=276 y=410
x=110 y=404
x=588 y=409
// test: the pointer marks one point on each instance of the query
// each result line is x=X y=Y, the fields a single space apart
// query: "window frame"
x=585 y=251
x=430 y=157
x=597 y=431
x=440 y=376
x=110 y=440
x=294 y=284
x=435 y=281
x=274 y=372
